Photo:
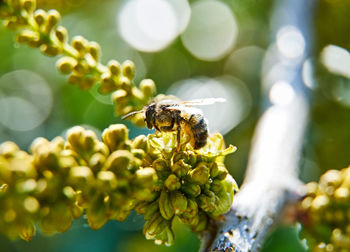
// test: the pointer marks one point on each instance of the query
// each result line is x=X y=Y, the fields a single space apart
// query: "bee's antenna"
x=131 y=114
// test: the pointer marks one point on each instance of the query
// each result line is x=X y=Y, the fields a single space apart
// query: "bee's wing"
x=204 y=101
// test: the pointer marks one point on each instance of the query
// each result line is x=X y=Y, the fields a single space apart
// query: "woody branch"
x=271 y=178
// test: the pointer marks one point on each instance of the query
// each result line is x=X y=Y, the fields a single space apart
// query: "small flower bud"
x=172 y=182
x=53 y=18
x=80 y=176
x=61 y=34
x=97 y=214
x=26 y=36
x=148 y=87
x=218 y=171
x=180 y=168
x=119 y=96
x=80 y=44
x=8 y=149
x=146 y=177
x=128 y=69
x=119 y=161
x=114 y=67
x=40 y=17
x=97 y=161
x=75 y=79
x=66 y=64
x=28 y=5
x=106 y=180
x=200 y=174
x=160 y=164
x=179 y=202
x=49 y=50
x=165 y=206
x=202 y=223
x=31 y=204
x=140 y=142
x=191 y=189
x=94 y=49
x=26 y=231
x=115 y=135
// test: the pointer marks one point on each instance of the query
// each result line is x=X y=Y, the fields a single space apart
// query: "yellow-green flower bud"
x=202 y=223
x=115 y=135
x=61 y=34
x=75 y=78
x=119 y=161
x=160 y=164
x=28 y=5
x=180 y=168
x=128 y=69
x=53 y=18
x=114 y=67
x=8 y=149
x=108 y=83
x=97 y=213
x=179 y=202
x=80 y=44
x=81 y=68
x=148 y=87
x=40 y=17
x=49 y=50
x=26 y=36
x=331 y=178
x=342 y=194
x=80 y=176
x=154 y=226
x=165 y=205
x=146 y=177
x=140 y=142
x=26 y=231
x=106 y=180
x=320 y=202
x=95 y=50
x=138 y=153
x=87 y=82
x=207 y=202
x=172 y=182
x=190 y=216
x=97 y=161
x=66 y=64
x=81 y=140
x=76 y=211
x=218 y=171
x=31 y=204
x=191 y=189
x=119 y=96
x=200 y=174
x=147 y=209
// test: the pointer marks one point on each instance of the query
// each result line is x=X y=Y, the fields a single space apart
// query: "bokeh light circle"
x=222 y=117
x=26 y=100
x=151 y=25
x=212 y=30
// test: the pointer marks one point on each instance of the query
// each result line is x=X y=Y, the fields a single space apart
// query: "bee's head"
x=150 y=114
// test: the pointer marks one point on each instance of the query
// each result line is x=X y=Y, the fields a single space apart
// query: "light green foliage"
x=325 y=213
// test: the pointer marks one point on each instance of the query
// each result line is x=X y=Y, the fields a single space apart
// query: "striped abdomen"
x=199 y=129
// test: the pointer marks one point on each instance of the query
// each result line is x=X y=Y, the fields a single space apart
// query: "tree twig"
x=271 y=178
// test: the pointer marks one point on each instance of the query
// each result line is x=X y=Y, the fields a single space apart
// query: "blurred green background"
x=200 y=48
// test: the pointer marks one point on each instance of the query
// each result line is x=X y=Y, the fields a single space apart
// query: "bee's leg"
x=178 y=136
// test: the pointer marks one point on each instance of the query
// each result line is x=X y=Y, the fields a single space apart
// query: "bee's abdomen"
x=199 y=129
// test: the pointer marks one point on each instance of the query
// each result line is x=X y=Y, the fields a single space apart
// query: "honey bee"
x=171 y=115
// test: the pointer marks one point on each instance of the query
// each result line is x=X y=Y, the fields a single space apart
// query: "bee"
x=172 y=115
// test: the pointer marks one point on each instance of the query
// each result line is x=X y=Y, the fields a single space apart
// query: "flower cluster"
x=325 y=214
x=79 y=58
x=61 y=180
